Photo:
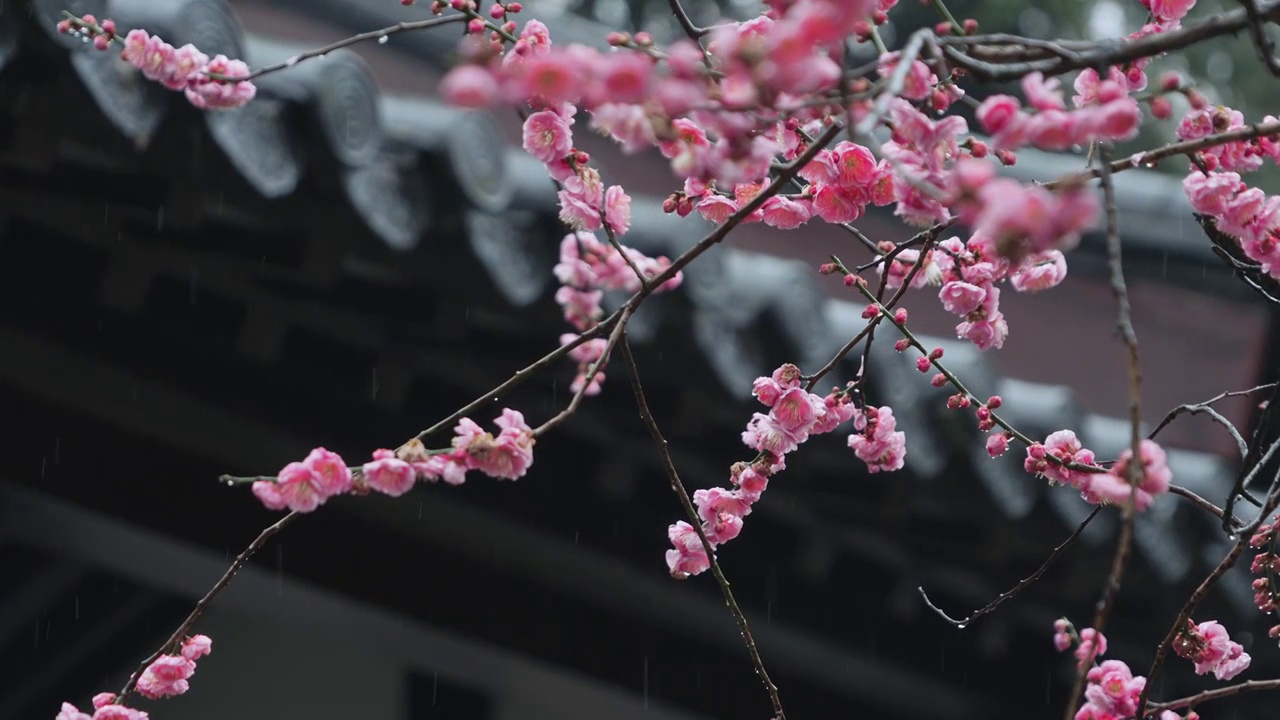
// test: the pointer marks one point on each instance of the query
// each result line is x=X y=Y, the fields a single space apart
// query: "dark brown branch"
x=175 y=640
x=677 y=486
x=522 y=375
x=356 y=39
x=1012 y=593
x=1115 y=52
x=1202 y=591
x=1134 y=468
x=1201 y=502
x=1258 y=34
x=694 y=32
x=1146 y=159
x=1217 y=694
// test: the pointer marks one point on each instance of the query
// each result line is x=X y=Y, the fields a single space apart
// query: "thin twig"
x=1204 y=504
x=694 y=32
x=1114 y=52
x=677 y=486
x=1217 y=694
x=1202 y=591
x=1010 y=594
x=175 y=640
x=1150 y=157
x=356 y=39
x=1204 y=409
x=523 y=374
x=618 y=329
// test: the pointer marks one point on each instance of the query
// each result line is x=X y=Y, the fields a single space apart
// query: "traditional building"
x=345 y=261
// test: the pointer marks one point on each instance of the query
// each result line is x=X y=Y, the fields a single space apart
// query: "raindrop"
x=383 y=40
x=575 y=537
x=419 y=511
x=44 y=462
x=961 y=626
x=646 y=683
x=435 y=685
x=160 y=219
x=374 y=388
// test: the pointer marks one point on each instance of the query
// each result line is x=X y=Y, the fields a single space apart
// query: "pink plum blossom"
x=547 y=136
x=1039 y=271
x=388 y=474
x=879 y=443
x=1113 y=486
x=469 y=86
x=506 y=456
x=222 y=92
x=617 y=210
x=165 y=677
x=1093 y=645
x=688 y=556
x=195 y=647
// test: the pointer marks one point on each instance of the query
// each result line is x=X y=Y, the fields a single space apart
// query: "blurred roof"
x=334 y=264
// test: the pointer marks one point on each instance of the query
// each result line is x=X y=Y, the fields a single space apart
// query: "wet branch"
x=1012 y=593
x=677 y=485
x=175 y=640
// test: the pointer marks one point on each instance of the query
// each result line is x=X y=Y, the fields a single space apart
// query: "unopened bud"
x=1161 y=108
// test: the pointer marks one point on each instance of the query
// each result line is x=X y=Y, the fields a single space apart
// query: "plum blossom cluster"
x=1266 y=565
x=878 y=442
x=1016 y=220
x=1112 y=691
x=794 y=415
x=1062 y=459
x=969 y=273
x=1216 y=189
x=1104 y=112
x=166 y=676
x=1211 y=649
x=587 y=269
x=209 y=84
x=305 y=486
x=702 y=110
x=842 y=182
x=1089 y=643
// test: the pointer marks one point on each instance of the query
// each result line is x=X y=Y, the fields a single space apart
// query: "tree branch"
x=677 y=485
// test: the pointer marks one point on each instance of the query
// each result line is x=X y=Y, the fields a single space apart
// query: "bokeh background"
x=345 y=261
